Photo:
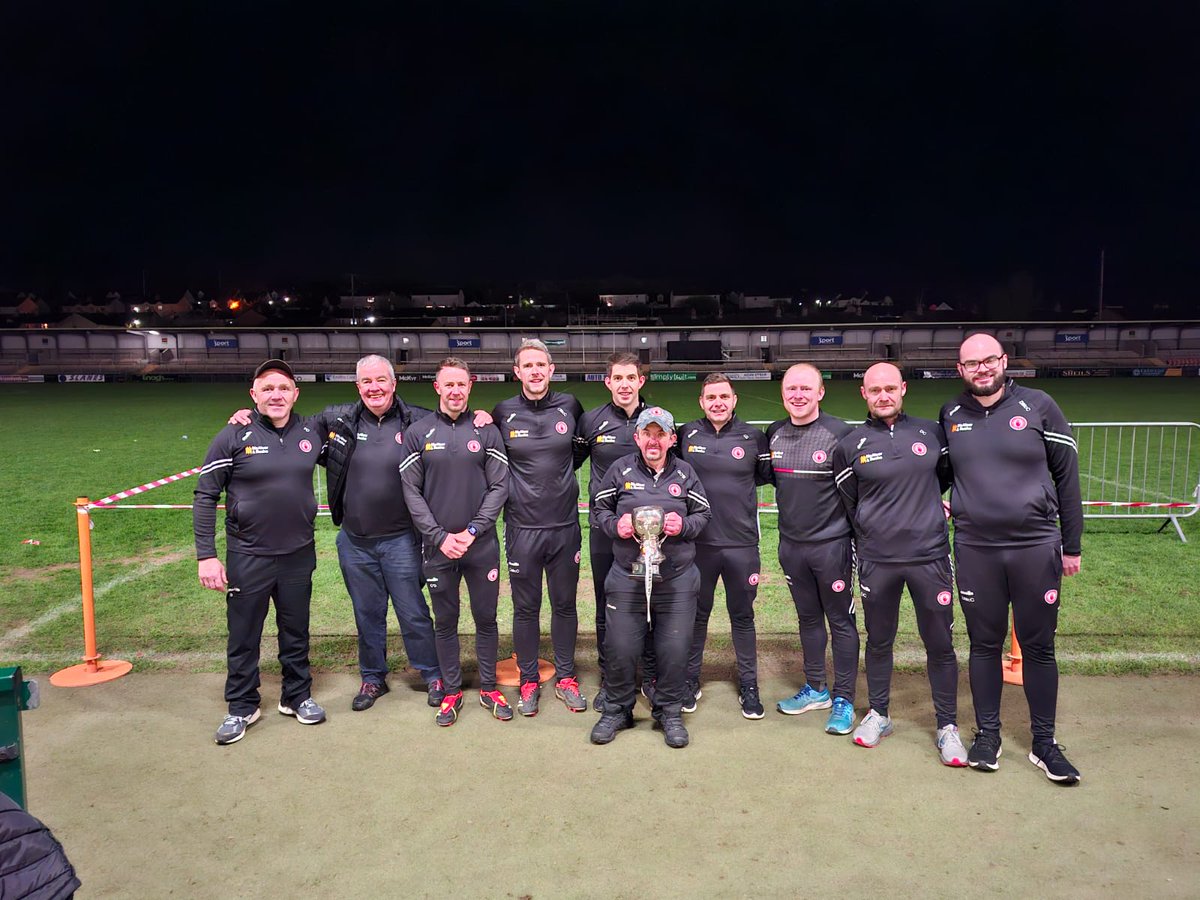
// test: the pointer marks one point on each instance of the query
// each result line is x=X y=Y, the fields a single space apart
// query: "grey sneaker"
x=306 y=712
x=872 y=729
x=233 y=729
x=950 y=747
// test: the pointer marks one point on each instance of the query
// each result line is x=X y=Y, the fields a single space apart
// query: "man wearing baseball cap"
x=653 y=478
x=265 y=470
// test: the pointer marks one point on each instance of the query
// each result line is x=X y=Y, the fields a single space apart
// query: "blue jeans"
x=373 y=568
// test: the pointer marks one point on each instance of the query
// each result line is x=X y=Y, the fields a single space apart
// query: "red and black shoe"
x=495 y=703
x=447 y=713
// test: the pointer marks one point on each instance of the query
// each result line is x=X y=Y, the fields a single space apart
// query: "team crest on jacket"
x=493 y=574
x=944 y=598
x=1051 y=596
x=753 y=579
x=819 y=456
x=560 y=427
x=919 y=449
x=473 y=446
x=399 y=437
x=674 y=489
x=305 y=446
x=838 y=586
x=737 y=452
x=1018 y=423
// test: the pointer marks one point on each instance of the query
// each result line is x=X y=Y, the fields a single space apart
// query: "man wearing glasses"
x=1018 y=521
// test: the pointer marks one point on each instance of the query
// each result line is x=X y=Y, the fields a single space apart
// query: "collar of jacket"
x=873 y=422
x=257 y=418
x=637 y=410
x=396 y=409
x=536 y=404
x=467 y=415
x=732 y=425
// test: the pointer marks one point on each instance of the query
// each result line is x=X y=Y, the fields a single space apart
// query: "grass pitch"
x=1134 y=607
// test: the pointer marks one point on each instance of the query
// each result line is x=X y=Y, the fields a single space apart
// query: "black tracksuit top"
x=267 y=478
x=456 y=475
x=730 y=464
x=607 y=435
x=543 y=454
x=1016 y=471
x=362 y=457
x=891 y=480
x=630 y=483
x=810 y=507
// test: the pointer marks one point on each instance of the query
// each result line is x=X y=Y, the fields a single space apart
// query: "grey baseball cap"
x=658 y=415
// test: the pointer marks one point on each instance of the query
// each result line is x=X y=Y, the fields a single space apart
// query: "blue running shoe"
x=841 y=719
x=803 y=701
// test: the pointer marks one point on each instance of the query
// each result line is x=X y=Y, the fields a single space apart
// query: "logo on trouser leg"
x=578 y=556
x=838 y=586
x=753 y=579
x=493 y=574
x=1051 y=596
x=944 y=598
x=966 y=596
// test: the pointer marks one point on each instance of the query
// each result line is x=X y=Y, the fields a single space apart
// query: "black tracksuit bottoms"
x=600 y=547
x=1028 y=578
x=930 y=584
x=530 y=552
x=819 y=576
x=254 y=581
x=737 y=567
x=673 y=615
x=480 y=566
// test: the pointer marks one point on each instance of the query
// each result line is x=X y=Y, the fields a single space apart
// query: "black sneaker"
x=437 y=692
x=649 y=691
x=1048 y=756
x=752 y=707
x=367 y=695
x=448 y=709
x=600 y=701
x=609 y=724
x=691 y=694
x=984 y=754
x=674 y=732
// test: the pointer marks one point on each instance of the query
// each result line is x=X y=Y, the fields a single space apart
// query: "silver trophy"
x=648 y=526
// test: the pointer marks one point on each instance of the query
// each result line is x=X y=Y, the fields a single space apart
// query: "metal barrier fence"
x=1127 y=470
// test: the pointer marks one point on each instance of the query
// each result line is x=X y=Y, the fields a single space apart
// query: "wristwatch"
x=472 y=530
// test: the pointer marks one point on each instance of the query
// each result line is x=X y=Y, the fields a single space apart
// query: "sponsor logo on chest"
x=435 y=445
x=518 y=433
x=635 y=486
x=257 y=449
x=960 y=427
x=865 y=458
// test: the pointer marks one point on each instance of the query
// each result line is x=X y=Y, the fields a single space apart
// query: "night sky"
x=892 y=148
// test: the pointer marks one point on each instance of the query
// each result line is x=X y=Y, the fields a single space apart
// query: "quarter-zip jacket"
x=810 y=507
x=630 y=483
x=456 y=475
x=607 y=434
x=543 y=454
x=730 y=463
x=891 y=479
x=1016 y=471
x=267 y=478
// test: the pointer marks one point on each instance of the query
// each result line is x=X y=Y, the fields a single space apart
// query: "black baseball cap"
x=275 y=365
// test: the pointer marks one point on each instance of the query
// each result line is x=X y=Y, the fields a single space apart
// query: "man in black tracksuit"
x=541 y=522
x=455 y=484
x=651 y=477
x=891 y=472
x=607 y=435
x=816 y=550
x=732 y=459
x=1018 y=526
x=265 y=470
x=379 y=550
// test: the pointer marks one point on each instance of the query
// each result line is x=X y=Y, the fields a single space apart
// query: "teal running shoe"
x=807 y=698
x=841 y=719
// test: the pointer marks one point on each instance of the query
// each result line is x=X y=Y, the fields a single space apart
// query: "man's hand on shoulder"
x=482 y=417
x=241 y=417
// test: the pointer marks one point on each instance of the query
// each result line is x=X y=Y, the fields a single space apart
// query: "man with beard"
x=541 y=522
x=816 y=550
x=891 y=472
x=1018 y=524
x=731 y=458
x=650 y=478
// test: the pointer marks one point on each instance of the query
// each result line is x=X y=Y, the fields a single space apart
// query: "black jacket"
x=32 y=861
x=341 y=424
x=731 y=463
x=543 y=453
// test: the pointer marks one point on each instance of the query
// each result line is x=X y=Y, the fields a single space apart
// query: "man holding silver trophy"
x=652 y=506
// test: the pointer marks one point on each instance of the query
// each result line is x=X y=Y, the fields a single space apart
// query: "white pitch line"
x=76 y=604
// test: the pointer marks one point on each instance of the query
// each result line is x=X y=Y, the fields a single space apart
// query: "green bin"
x=16 y=694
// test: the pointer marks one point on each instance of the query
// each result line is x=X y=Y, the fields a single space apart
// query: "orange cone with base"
x=1012 y=665
x=93 y=669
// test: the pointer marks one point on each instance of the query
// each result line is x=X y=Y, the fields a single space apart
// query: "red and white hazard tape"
x=1139 y=505
x=141 y=489
x=322 y=508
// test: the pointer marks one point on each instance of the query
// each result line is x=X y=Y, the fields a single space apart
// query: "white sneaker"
x=872 y=729
x=950 y=747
